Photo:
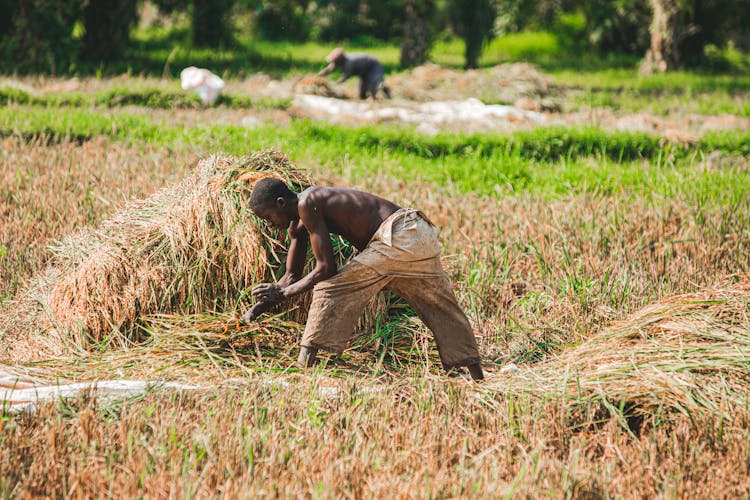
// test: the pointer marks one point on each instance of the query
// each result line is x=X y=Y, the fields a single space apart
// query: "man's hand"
x=268 y=292
x=253 y=313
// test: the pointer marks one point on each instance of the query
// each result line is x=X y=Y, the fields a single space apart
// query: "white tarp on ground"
x=435 y=113
x=19 y=394
x=22 y=394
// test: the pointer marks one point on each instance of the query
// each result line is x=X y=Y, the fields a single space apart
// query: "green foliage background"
x=95 y=36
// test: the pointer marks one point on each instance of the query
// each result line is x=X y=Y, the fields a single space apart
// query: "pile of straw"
x=190 y=248
x=684 y=353
x=316 y=85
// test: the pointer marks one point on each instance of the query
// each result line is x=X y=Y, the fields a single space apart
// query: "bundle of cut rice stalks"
x=213 y=348
x=686 y=353
x=196 y=348
x=188 y=249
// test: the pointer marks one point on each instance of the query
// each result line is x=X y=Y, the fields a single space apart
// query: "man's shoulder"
x=313 y=196
x=311 y=193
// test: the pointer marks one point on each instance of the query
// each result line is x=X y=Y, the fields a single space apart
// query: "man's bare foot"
x=476 y=372
x=306 y=357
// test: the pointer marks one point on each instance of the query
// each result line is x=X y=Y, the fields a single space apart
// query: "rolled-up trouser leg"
x=374 y=79
x=337 y=304
x=434 y=302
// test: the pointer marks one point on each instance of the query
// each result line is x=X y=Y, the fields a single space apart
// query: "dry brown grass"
x=49 y=191
x=688 y=353
x=535 y=275
x=434 y=439
x=539 y=274
x=189 y=248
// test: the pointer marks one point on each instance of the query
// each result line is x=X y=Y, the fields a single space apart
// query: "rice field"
x=610 y=267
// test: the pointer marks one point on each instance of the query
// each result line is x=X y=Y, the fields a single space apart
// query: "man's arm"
x=295 y=263
x=311 y=217
x=295 y=257
x=327 y=69
x=344 y=77
x=325 y=264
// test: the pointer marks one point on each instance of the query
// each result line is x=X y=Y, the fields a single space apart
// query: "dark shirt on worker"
x=356 y=64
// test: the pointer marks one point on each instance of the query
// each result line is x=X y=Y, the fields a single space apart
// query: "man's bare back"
x=311 y=216
x=354 y=215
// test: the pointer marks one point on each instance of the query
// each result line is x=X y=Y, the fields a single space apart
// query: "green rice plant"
x=556 y=161
x=150 y=97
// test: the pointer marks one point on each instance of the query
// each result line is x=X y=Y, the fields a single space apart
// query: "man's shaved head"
x=266 y=191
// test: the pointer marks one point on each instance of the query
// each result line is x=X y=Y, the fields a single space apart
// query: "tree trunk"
x=473 y=20
x=416 y=41
x=107 y=24
x=210 y=23
x=663 y=55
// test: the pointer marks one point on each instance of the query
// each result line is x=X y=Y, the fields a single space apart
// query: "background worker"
x=367 y=68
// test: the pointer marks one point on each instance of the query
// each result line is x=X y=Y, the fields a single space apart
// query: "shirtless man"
x=367 y=68
x=398 y=249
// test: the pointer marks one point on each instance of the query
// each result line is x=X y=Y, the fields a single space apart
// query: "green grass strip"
x=556 y=161
x=151 y=97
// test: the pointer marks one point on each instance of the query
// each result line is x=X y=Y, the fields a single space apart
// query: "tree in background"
x=6 y=17
x=616 y=25
x=39 y=33
x=681 y=30
x=663 y=53
x=107 y=25
x=210 y=20
x=361 y=21
x=417 y=37
x=473 y=20
x=283 y=20
x=210 y=24
x=713 y=22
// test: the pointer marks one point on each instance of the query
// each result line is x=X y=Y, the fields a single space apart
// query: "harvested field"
x=614 y=276
x=191 y=247
x=506 y=84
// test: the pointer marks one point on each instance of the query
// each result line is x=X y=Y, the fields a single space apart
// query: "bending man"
x=398 y=250
x=367 y=68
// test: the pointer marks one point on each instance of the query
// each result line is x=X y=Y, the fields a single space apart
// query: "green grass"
x=555 y=161
x=158 y=50
x=161 y=51
x=585 y=79
x=542 y=48
x=698 y=94
x=151 y=97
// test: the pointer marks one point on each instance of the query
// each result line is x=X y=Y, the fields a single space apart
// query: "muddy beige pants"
x=339 y=301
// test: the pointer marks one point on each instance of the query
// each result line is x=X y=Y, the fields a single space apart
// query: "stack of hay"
x=685 y=353
x=190 y=248
x=316 y=85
